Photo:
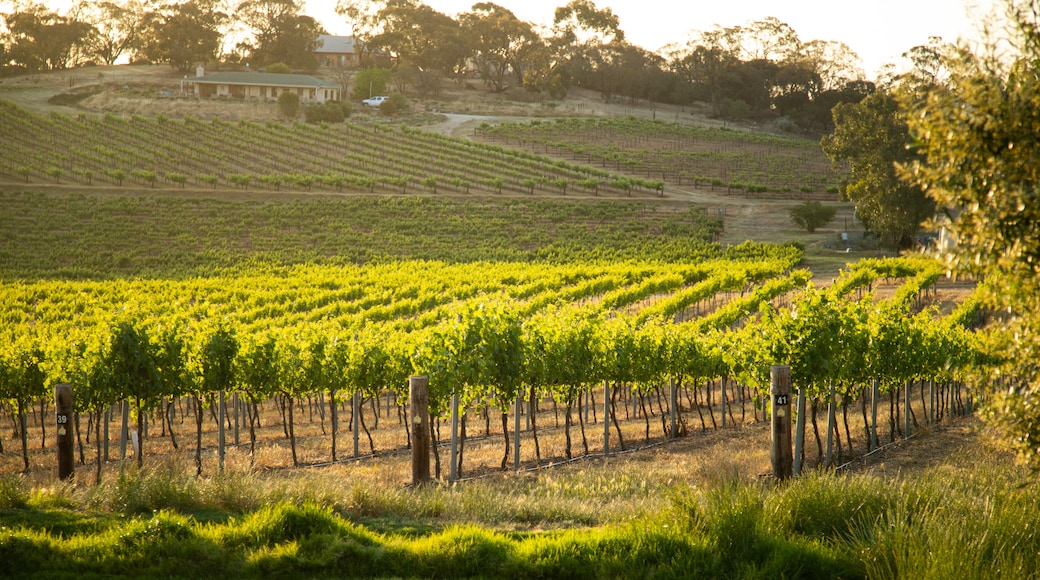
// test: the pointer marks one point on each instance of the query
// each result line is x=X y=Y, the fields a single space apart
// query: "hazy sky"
x=879 y=31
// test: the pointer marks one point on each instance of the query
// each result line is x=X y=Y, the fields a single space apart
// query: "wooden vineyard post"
x=519 y=407
x=672 y=392
x=780 y=393
x=906 y=409
x=221 y=435
x=420 y=410
x=238 y=408
x=873 y=415
x=799 y=433
x=356 y=410
x=66 y=439
x=124 y=430
x=108 y=419
x=722 y=399
x=829 y=457
x=453 y=469
x=606 y=417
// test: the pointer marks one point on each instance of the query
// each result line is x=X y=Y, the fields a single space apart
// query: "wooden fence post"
x=420 y=409
x=606 y=417
x=672 y=400
x=221 y=435
x=519 y=408
x=780 y=393
x=873 y=415
x=453 y=468
x=66 y=438
x=355 y=414
x=799 y=433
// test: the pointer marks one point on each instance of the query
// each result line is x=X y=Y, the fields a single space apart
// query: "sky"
x=879 y=31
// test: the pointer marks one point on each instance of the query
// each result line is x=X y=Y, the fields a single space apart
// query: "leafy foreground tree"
x=981 y=138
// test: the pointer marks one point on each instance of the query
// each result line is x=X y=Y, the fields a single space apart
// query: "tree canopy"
x=980 y=135
x=871 y=138
x=183 y=34
x=280 y=33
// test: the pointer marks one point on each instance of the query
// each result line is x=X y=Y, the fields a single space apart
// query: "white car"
x=375 y=101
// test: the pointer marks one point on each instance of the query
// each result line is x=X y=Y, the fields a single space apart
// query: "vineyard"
x=113 y=234
x=501 y=337
x=114 y=151
x=245 y=337
x=734 y=161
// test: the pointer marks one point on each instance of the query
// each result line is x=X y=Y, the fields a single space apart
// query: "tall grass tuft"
x=14 y=492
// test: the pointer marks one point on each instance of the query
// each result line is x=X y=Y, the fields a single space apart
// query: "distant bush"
x=394 y=105
x=278 y=68
x=289 y=105
x=812 y=214
x=330 y=112
x=370 y=82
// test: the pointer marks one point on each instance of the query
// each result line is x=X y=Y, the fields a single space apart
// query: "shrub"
x=289 y=104
x=370 y=82
x=812 y=214
x=278 y=68
x=394 y=105
x=330 y=112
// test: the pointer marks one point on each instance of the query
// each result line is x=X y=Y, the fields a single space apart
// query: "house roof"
x=328 y=43
x=264 y=80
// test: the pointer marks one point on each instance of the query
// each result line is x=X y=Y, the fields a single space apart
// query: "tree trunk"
x=140 y=434
x=613 y=414
x=816 y=432
x=169 y=425
x=361 y=419
x=23 y=428
x=198 y=435
x=505 y=436
x=567 y=429
x=696 y=403
x=79 y=440
x=533 y=414
x=334 y=419
x=581 y=422
x=646 y=416
x=97 y=444
x=436 y=453
x=710 y=403
x=462 y=445
x=866 y=422
x=253 y=420
x=292 y=434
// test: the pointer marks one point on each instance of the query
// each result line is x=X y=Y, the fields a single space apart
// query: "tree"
x=280 y=33
x=116 y=27
x=288 y=104
x=39 y=39
x=500 y=42
x=982 y=165
x=425 y=43
x=370 y=82
x=363 y=18
x=585 y=40
x=183 y=34
x=870 y=139
x=812 y=214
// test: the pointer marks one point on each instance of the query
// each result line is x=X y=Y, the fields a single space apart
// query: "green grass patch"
x=947 y=522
